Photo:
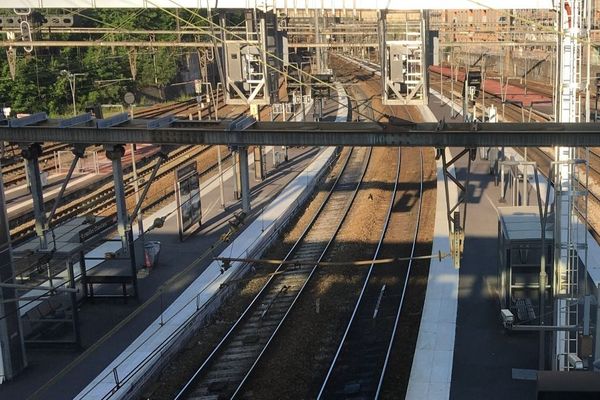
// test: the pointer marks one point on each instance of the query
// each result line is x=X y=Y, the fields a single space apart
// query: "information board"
x=189 y=206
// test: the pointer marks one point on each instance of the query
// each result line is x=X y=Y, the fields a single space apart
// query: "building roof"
x=523 y=223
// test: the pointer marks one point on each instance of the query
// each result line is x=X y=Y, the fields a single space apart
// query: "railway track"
x=370 y=107
x=508 y=111
x=327 y=336
x=227 y=368
x=14 y=173
x=102 y=197
x=359 y=365
x=360 y=362
x=180 y=108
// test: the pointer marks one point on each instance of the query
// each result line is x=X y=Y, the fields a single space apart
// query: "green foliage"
x=35 y=87
x=40 y=86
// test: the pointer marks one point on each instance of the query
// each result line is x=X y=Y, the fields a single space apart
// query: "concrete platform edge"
x=431 y=370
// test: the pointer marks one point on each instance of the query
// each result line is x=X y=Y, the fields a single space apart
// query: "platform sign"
x=97 y=228
x=187 y=190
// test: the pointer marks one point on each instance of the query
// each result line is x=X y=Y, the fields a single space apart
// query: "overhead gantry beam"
x=285 y=4
x=149 y=44
x=183 y=132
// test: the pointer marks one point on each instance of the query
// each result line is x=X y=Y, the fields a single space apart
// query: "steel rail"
x=15 y=172
x=410 y=262
x=103 y=196
x=366 y=281
x=192 y=382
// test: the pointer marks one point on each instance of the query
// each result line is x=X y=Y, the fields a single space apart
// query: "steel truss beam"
x=339 y=5
x=183 y=132
x=143 y=44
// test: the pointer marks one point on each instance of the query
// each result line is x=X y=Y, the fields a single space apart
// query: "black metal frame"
x=168 y=130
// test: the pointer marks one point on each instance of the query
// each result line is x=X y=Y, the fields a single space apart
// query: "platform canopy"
x=391 y=5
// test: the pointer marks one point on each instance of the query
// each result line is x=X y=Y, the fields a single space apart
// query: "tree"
x=39 y=86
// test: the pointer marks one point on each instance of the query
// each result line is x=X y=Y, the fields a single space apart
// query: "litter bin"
x=151 y=253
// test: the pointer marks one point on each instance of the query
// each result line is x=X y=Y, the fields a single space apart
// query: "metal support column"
x=424 y=51
x=318 y=50
x=382 y=36
x=245 y=179
x=115 y=153
x=236 y=173
x=259 y=163
x=136 y=188
x=221 y=190
x=32 y=167
x=12 y=348
x=83 y=272
x=457 y=218
x=73 y=296
x=133 y=265
x=569 y=247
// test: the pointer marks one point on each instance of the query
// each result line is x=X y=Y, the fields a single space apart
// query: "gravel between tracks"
x=400 y=363
x=185 y=363
x=300 y=356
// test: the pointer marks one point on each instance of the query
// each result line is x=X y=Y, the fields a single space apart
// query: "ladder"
x=571 y=179
x=570 y=186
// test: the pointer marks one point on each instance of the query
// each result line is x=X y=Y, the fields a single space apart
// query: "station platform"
x=511 y=93
x=109 y=326
x=18 y=198
x=487 y=363
x=431 y=371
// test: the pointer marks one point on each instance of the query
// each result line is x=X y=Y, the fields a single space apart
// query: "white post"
x=565 y=264
x=136 y=188
x=221 y=190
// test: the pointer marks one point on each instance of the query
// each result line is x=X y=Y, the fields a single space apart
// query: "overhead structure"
x=402 y=59
x=252 y=59
x=167 y=130
x=286 y=4
x=570 y=185
x=12 y=349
